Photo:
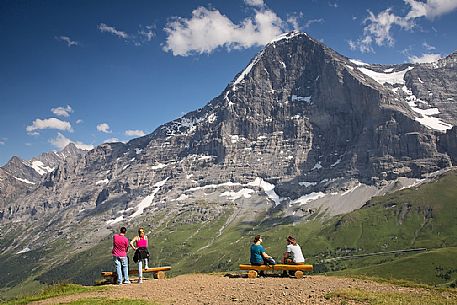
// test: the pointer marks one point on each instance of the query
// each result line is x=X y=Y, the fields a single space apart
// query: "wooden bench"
x=252 y=269
x=158 y=273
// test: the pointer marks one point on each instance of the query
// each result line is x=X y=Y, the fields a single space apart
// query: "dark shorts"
x=140 y=253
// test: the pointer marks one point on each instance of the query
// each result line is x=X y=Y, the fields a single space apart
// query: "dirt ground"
x=220 y=289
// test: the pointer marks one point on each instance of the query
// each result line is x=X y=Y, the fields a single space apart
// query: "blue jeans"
x=122 y=267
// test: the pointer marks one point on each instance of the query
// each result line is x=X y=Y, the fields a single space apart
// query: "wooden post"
x=299 y=274
x=160 y=275
x=252 y=274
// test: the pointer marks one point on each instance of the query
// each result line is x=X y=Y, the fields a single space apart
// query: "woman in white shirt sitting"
x=293 y=254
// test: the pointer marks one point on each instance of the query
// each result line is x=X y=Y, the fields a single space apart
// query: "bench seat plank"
x=277 y=267
x=135 y=271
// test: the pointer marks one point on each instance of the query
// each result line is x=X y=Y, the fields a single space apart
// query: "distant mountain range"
x=302 y=132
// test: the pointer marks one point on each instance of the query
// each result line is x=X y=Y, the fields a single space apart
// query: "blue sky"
x=94 y=71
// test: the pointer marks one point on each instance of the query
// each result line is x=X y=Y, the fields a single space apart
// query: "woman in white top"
x=293 y=254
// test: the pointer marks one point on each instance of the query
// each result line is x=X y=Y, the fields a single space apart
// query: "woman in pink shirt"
x=140 y=245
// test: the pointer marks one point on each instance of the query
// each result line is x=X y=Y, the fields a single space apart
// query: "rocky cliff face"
x=19 y=177
x=301 y=130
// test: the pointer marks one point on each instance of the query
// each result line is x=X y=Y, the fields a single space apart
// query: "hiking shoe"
x=127 y=282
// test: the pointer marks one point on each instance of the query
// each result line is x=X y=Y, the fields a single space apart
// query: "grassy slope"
x=429 y=296
x=47 y=292
x=425 y=217
x=436 y=267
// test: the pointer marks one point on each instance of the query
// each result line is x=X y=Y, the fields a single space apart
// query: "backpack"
x=270 y=261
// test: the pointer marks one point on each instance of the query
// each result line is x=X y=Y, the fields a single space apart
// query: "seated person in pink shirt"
x=120 y=259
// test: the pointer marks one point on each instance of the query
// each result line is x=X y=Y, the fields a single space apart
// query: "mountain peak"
x=15 y=160
x=20 y=169
x=70 y=150
x=452 y=57
x=290 y=42
x=288 y=35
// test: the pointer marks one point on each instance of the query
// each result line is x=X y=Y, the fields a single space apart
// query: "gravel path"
x=219 y=289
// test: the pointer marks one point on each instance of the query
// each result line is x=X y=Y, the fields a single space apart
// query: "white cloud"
x=51 y=123
x=427 y=46
x=136 y=133
x=2 y=142
x=147 y=33
x=62 y=111
x=363 y=44
x=430 y=8
x=79 y=121
x=378 y=27
x=257 y=3
x=425 y=58
x=294 y=20
x=208 y=30
x=144 y=34
x=61 y=141
x=111 y=140
x=112 y=30
x=67 y=40
x=310 y=22
x=103 y=127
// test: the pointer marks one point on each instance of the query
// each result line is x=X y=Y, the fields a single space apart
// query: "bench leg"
x=299 y=274
x=160 y=275
x=112 y=279
x=252 y=274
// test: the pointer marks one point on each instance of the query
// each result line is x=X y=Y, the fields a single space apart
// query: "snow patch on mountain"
x=306 y=183
x=426 y=114
x=307 y=198
x=296 y=98
x=351 y=189
x=25 y=250
x=286 y=36
x=158 y=166
x=267 y=187
x=24 y=180
x=243 y=193
x=212 y=118
x=104 y=181
x=358 y=62
x=145 y=203
x=390 y=78
x=40 y=168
